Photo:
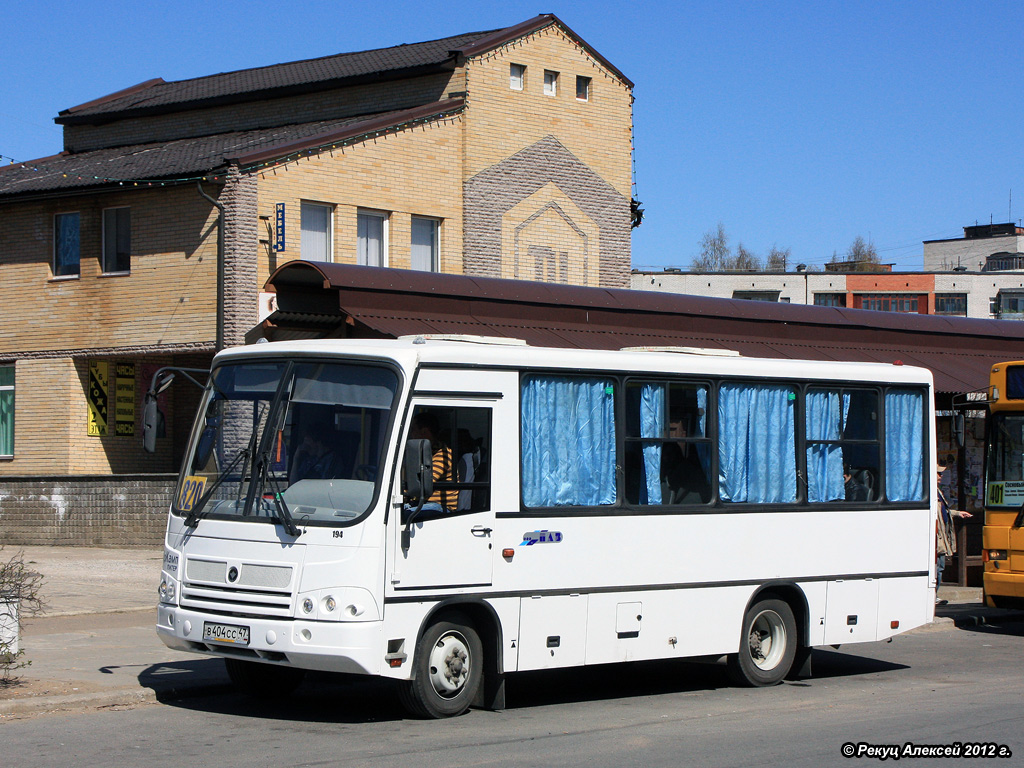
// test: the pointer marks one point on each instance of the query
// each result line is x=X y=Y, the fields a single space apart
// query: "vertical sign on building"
x=124 y=399
x=279 y=227
x=99 y=384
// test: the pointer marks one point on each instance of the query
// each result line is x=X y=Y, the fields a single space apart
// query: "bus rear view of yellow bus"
x=1003 y=536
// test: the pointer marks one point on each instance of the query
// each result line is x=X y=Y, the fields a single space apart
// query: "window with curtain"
x=842 y=445
x=6 y=410
x=117 y=240
x=667 y=451
x=66 y=245
x=424 y=253
x=904 y=445
x=568 y=441
x=757 y=444
x=371 y=232
x=315 y=241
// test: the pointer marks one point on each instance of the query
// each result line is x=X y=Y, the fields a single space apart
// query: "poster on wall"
x=124 y=399
x=99 y=386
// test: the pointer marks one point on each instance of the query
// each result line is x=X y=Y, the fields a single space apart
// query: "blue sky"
x=795 y=124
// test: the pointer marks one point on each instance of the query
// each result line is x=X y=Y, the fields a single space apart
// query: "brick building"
x=504 y=153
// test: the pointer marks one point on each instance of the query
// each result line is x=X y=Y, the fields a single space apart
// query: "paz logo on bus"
x=540 y=537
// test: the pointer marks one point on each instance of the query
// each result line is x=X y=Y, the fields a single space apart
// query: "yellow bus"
x=1003 y=536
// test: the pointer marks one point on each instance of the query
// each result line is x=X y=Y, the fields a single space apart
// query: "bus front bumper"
x=333 y=646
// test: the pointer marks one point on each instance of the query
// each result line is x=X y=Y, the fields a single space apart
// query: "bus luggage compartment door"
x=851 y=611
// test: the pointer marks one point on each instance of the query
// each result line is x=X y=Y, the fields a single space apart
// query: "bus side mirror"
x=152 y=424
x=958 y=429
x=418 y=470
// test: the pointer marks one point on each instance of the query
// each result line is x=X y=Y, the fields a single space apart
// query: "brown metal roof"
x=368 y=301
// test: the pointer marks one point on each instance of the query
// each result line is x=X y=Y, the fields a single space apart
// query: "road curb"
x=34 y=705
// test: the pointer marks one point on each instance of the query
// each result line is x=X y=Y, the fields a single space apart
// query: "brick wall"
x=548 y=177
x=173 y=274
x=415 y=172
x=120 y=510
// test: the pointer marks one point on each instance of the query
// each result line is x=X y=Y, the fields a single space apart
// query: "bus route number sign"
x=1005 y=494
x=191 y=492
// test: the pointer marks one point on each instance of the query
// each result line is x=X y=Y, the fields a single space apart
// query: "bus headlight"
x=168 y=591
x=993 y=554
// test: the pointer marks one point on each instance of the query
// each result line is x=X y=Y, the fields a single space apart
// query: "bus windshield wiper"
x=196 y=513
x=243 y=458
x=261 y=459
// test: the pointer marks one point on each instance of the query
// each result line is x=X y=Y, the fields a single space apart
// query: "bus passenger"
x=425 y=426
x=945 y=533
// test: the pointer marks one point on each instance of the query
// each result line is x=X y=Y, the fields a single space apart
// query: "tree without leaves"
x=714 y=251
x=861 y=256
x=19 y=597
x=778 y=259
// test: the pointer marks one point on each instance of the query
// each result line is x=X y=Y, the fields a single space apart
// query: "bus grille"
x=257 y=590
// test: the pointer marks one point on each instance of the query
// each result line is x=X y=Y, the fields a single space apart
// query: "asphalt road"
x=937 y=686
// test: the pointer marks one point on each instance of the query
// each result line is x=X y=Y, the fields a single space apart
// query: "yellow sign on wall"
x=97 y=396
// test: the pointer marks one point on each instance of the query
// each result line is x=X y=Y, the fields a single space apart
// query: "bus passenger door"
x=449 y=541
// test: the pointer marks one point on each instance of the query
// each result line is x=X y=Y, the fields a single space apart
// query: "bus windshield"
x=299 y=440
x=1006 y=460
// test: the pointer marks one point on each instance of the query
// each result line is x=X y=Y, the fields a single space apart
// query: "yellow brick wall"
x=169 y=297
x=416 y=172
x=44 y=390
x=502 y=121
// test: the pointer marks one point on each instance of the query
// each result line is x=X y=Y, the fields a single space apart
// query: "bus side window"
x=668 y=454
x=461 y=448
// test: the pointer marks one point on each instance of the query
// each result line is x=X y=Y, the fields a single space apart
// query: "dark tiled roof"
x=157 y=95
x=183 y=159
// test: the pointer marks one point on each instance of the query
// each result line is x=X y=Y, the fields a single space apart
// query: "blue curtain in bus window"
x=904 y=445
x=825 y=462
x=652 y=420
x=568 y=442
x=757 y=448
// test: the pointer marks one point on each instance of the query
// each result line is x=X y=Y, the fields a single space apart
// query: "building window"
x=582 y=88
x=425 y=244
x=757 y=295
x=315 y=243
x=66 y=246
x=117 y=240
x=372 y=233
x=6 y=410
x=951 y=304
x=1009 y=305
x=830 y=299
x=516 y=76
x=887 y=303
x=550 y=82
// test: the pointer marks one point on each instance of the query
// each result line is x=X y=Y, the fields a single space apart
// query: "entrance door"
x=449 y=542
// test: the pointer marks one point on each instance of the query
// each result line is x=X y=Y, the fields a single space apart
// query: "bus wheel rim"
x=449 y=664
x=767 y=640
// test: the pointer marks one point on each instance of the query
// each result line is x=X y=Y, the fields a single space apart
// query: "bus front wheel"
x=448 y=670
x=767 y=644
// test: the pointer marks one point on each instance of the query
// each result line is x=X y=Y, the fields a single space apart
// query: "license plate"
x=233 y=634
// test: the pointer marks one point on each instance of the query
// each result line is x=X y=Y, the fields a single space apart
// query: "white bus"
x=443 y=512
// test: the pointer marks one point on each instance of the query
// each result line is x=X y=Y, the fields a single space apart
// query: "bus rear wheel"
x=261 y=681
x=447 y=672
x=767 y=645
